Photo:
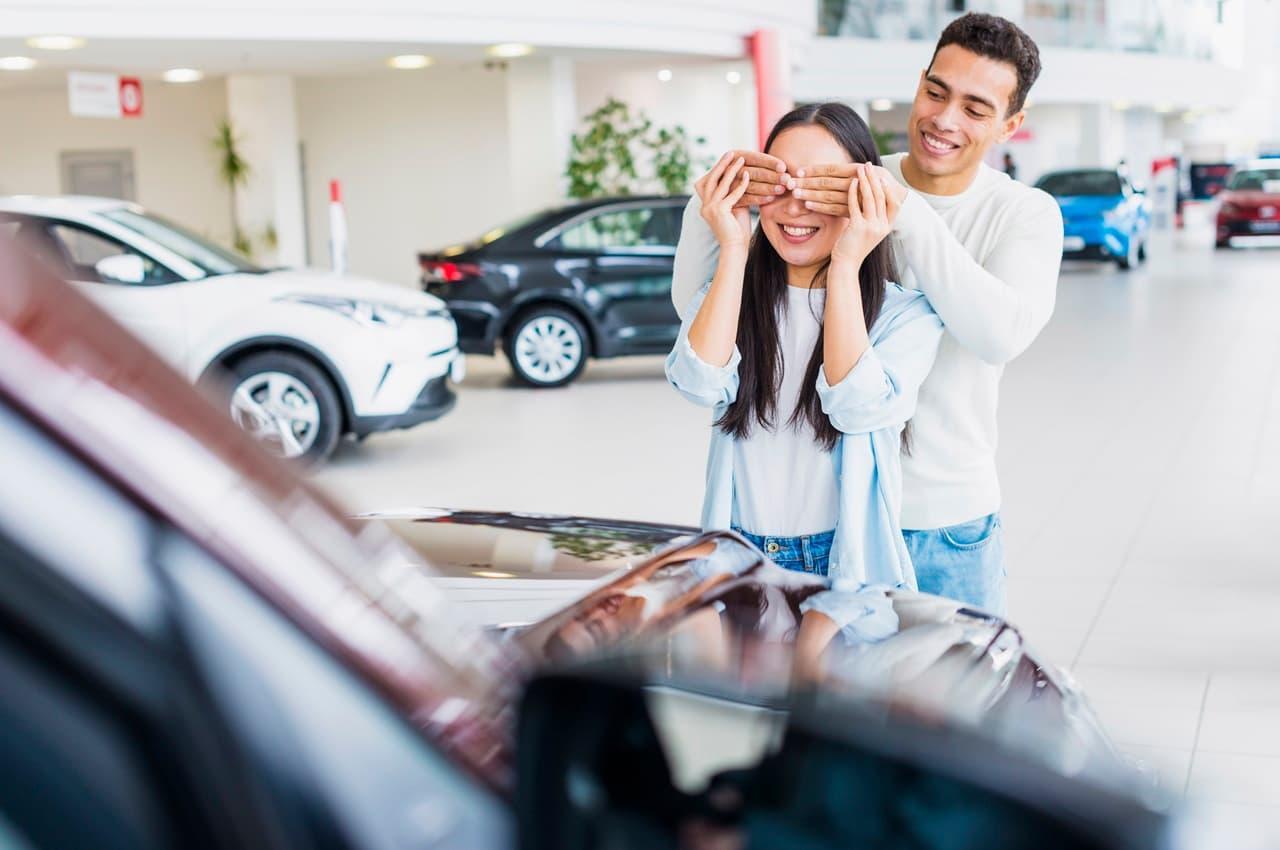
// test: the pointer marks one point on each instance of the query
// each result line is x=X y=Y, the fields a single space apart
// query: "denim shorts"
x=808 y=553
x=963 y=562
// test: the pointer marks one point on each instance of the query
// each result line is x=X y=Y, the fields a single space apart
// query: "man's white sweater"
x=988 y=260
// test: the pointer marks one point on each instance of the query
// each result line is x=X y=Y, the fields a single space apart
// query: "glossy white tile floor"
x=1140 y=458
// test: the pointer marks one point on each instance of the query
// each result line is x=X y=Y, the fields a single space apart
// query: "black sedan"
x=589 y=279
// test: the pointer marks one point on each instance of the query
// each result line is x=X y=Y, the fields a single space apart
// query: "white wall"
x=175 y=168
x=698 y=97
x=422 y=156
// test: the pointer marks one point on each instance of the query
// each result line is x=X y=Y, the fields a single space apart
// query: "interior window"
x=625 y=229
x=97 y=258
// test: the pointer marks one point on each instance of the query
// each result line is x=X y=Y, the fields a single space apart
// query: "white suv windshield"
x=209 y=257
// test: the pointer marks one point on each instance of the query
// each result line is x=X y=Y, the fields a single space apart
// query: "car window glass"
x=72 y=521
x=622 y=230
x=85 y=251
x=380 y=779
x=74 y=774
x=1254 y=180
x=1081 y=183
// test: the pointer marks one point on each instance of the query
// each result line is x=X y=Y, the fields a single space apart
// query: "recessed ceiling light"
x=510 y=50
x=733 y=78
x=665 y=75
x=16 y=63
x=182 y=75
x=1164 y=108
x=55 y=42
x=1121 y=105
x=881 y=104
x=409 y=61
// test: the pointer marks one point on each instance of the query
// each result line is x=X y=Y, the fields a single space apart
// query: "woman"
x=812 y=359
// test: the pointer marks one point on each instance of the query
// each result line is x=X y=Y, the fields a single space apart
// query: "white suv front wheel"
x=287 y=404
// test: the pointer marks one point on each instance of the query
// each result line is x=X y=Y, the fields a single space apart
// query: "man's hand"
x=826 y=188
x=767 y=176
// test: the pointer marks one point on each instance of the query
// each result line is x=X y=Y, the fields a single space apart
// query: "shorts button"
x=771 y=547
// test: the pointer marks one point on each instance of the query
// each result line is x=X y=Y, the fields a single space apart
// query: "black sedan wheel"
x=547 y=347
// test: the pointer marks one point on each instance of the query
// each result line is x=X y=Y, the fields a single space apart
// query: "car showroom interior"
x=600 y=424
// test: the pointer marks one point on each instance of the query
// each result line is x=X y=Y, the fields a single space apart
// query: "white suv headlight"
x=371 y=314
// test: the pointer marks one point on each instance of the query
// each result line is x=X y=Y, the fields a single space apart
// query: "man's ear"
x=1011 y=125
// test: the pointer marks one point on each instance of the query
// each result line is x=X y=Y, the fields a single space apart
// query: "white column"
x=1101 y=135
x=264 y=116
x=541 y=116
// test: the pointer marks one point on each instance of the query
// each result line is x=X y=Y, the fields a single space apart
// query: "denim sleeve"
x=694 y=378
x=880 y=390
x=865 y=615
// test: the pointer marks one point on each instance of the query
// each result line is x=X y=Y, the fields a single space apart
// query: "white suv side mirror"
x=121 y=268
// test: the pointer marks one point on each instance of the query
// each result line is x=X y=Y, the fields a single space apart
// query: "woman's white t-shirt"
x=784 y=481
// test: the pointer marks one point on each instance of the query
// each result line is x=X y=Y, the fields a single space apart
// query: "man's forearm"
x=994 y=310
x=696 y=256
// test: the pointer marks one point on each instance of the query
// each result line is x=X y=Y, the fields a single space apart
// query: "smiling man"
x=986 y=251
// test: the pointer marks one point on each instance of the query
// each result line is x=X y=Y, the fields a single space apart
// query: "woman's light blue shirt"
x=869 y=407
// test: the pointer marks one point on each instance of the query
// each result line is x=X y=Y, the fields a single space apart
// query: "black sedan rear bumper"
x=435 y=400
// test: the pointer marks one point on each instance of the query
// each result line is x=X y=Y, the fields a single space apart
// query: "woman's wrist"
x=844 y=268
x=734 y=254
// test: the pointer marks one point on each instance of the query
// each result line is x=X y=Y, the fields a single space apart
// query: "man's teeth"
x=940 y=145
x=798 y=231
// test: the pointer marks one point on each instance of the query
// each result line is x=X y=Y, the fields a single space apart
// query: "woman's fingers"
x=866 y=197
x=877 y=191
x=711 y=181
x=727 y=181
x=736 y=194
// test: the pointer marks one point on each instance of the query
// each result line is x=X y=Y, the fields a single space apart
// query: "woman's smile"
x=797 y=234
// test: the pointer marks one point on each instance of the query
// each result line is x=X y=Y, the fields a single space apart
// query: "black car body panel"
x=621 y=294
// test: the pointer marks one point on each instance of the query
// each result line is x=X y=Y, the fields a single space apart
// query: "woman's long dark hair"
x=764 y=297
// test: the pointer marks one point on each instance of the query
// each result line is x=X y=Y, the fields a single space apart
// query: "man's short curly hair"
x=999 y=39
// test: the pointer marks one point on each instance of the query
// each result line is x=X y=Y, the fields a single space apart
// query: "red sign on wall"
x=130 y=97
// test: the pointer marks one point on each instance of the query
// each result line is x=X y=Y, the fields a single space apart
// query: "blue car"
x=1103 y=216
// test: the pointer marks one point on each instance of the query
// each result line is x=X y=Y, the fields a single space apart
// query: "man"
x=1010 y=167
x=984 y=249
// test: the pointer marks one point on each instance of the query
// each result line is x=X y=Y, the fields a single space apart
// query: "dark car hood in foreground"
x=711 y=609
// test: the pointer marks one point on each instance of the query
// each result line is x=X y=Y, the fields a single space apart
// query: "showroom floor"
x=1140 y=458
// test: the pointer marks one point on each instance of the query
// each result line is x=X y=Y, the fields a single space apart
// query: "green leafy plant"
x=620 y=152
x=234 y=170
x=884 y=141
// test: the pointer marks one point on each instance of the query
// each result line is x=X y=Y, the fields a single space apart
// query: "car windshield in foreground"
x=211 y=258
x=1255 y=179
x=1076 y=183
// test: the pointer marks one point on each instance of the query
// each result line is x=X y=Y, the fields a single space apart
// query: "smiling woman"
x=793 y=343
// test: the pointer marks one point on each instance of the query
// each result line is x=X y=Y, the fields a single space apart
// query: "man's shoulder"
x=1027 y=200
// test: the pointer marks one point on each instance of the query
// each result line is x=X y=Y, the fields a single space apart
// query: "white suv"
x=301 y=356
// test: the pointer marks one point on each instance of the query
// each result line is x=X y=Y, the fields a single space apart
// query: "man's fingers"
x=832 y=169
x=833 y=184
x=763 y=161
x=765 y=176
x=823 y=197
x=841 y=210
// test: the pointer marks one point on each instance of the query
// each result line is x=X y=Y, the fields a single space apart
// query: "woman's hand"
x=871 y=215
x=720 y=189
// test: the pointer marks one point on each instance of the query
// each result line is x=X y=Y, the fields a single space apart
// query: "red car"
x=1250 y=205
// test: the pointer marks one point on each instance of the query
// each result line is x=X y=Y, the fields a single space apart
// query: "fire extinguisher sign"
x=130 y=97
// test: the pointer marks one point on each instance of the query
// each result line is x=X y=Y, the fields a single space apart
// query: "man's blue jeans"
x=963 y=562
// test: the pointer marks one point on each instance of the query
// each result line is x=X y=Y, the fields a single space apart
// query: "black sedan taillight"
x=444 y=271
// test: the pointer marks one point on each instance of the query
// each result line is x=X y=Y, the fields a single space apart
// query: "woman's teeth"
x=798 y=231
x=938 y=146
